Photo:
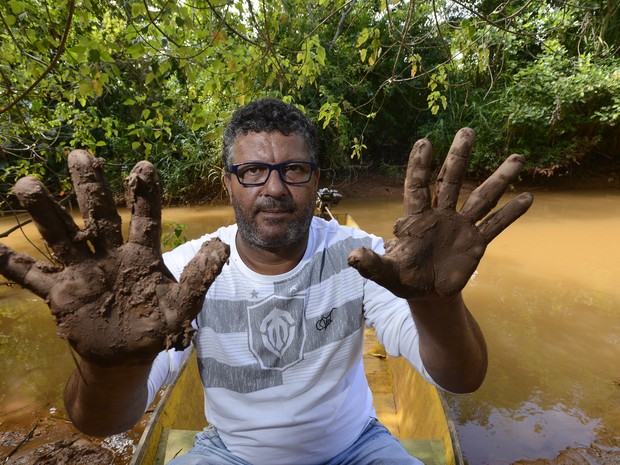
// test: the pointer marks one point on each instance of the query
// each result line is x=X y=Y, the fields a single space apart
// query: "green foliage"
x=157 y=80
x=543 y=82
x=173 y=235
x=559 y=108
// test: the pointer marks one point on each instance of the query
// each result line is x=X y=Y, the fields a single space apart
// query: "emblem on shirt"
x=325 y=321
x=277 y=332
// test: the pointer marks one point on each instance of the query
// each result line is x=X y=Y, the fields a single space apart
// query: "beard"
x=256 y=236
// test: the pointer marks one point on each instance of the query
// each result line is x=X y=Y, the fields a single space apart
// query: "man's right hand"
x=116 y=303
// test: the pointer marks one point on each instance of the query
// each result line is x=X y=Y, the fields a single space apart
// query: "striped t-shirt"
x=280 y=357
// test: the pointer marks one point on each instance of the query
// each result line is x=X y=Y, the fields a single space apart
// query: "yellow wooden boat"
x=412 y=409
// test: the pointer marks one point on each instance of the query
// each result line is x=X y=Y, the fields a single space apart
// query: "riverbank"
x=367 y=185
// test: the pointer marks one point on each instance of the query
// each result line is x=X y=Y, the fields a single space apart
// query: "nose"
x=275 y=185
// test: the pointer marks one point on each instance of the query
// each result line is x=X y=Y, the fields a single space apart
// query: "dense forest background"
x=157 y=79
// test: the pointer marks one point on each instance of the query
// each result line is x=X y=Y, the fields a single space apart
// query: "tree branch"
x=55 y=58
x=229 y=27
x=343 y=15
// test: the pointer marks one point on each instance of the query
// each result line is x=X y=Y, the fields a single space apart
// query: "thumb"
x=185 y=298
x=199 y=274
x=379 y=268
x=385 y=270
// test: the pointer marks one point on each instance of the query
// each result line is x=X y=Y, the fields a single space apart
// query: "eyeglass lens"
x=258 y=173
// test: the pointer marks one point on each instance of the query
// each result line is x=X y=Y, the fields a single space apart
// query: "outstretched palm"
x=116 y=303
x=436 y=249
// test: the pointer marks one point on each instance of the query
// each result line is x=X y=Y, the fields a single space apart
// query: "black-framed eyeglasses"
x=257 y=174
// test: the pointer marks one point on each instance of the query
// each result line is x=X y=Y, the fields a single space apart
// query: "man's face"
x=276 y=214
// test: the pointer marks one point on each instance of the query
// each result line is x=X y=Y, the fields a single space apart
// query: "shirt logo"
x=325 y=320
x=277 y=332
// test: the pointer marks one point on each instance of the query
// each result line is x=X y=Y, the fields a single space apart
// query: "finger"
x=485 y=197
x=417 y=196
x=380 y=269
x=504 y=217
x=186 y=298
x=453 y=171
x=102 y=222
x=143 y=194
x=53 y=222
x=26 y=271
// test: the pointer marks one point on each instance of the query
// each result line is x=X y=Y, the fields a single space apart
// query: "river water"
x=546 y=295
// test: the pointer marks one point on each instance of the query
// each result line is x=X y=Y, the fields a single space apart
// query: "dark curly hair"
x=269 y=115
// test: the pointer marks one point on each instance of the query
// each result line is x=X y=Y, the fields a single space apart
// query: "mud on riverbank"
x=53 y=440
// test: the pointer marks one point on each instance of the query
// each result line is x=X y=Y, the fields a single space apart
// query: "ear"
x=227 y=185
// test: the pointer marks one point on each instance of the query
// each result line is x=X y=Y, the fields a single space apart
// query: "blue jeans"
x=375 y=446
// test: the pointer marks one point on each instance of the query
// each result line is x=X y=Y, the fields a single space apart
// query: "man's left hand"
x=436 y=249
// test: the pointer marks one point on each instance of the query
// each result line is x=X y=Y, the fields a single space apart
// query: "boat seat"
x=175 y=442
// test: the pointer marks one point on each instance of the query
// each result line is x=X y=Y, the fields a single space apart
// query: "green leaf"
x=32 y=36
x=94 y=55
x=17 y=7
x=106 y=57
x=136 y=50
x=137 y=9
x=363 y=37
x=78 y=52
x=86 y=88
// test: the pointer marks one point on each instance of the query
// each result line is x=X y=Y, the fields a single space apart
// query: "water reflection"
x=527 y=432
x=546 y=295
x=32 y=357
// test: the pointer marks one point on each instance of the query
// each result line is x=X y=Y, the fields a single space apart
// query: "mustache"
x=268 y=203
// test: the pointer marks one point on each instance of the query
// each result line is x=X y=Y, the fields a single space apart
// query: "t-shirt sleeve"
x=164 y=370
x=392 y=321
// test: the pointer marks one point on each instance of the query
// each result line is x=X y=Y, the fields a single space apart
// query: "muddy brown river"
x=546 y=295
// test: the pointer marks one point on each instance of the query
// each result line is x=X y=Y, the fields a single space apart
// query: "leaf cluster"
x=156 y=79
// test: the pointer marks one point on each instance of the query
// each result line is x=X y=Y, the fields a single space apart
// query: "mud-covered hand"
x=116 y=303
x=436 y=249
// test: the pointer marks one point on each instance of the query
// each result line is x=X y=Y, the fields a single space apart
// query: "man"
x=279 y=387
